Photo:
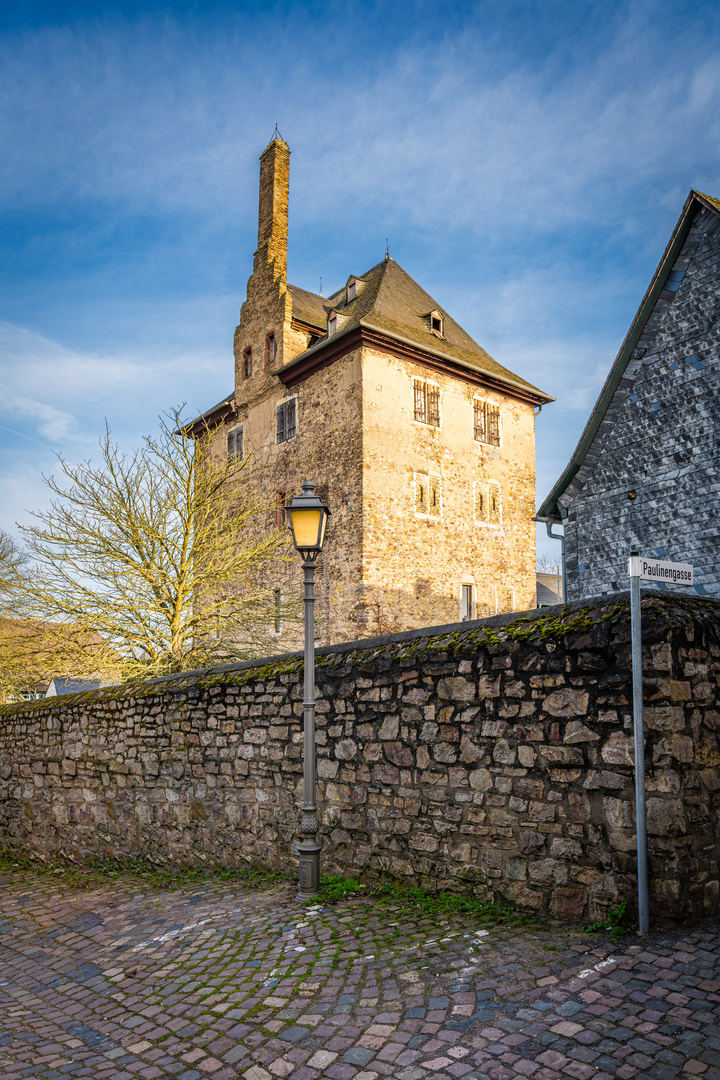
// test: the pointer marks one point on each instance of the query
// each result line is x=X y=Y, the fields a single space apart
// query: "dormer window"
x=351 y=290
x=332 y=324
x=436 y=323
x=247 y=363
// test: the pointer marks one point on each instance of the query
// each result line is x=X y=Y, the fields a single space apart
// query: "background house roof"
x=696 y=200
x=549 y=589
x=308 y=308
x=69 y=685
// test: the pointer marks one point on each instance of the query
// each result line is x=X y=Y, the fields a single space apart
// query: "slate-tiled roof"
x=550 y=508
x=61 y=685
x=308 y=307
x=390 y=301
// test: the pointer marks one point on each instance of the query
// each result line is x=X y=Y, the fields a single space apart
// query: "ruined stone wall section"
x=494 y=757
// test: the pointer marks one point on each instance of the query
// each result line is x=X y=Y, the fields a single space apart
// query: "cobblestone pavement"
x=221 y=981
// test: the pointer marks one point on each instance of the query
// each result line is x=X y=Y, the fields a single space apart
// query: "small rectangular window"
x=277 y=604
x=494 y=505
x=486 y=422
x=428 y=495
x=433 y=404
x=421 y=495
x=332 y=325
x=493 y=425
x=270 y=350
x=247 y=363
x=434 y=496
x=235 y=443
x=466 y=592
x=290 y=419
x=426 y=402
x=286 y=416
x=420 y=405
x=481 y=503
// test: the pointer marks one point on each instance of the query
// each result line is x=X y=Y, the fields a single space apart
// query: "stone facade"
x=390 y=563
x=649 y=476
x=495 y=757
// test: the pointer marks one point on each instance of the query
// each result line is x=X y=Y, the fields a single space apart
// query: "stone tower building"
x=422 y=445
x=646 y=472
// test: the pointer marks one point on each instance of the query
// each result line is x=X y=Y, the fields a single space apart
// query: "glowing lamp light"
x=308 y=520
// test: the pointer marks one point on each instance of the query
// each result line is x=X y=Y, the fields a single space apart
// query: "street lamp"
x=308 y=518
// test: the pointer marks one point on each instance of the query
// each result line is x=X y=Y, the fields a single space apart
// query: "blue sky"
x=526 y=161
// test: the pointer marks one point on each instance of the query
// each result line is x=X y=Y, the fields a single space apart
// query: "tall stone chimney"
x=273 y=214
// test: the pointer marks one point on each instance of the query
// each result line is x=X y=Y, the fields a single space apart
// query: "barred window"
x=286 y=417
x=426 y=399
x=486 y=422
x=235 y=442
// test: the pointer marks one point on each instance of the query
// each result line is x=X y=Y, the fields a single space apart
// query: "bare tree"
x=163 y=558
x=546 y=564
x=11 y=561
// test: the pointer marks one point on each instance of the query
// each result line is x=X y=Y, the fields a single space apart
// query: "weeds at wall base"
x=95 y=873
x=612 y=923
x=418 y=901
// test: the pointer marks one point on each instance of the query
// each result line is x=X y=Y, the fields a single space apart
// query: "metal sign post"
x=640 y=569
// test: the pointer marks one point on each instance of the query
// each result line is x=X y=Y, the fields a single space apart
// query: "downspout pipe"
x=561 y=538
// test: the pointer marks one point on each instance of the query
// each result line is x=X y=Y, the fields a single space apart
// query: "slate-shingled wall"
x=660 y=439
x=495 y=757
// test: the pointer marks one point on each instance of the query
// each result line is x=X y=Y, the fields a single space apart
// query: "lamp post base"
x=309 y=869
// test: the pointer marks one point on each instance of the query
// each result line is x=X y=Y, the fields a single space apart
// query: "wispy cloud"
x=162 y=114
x=54 y=424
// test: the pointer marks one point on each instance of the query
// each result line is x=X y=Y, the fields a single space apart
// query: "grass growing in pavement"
x=337 y=887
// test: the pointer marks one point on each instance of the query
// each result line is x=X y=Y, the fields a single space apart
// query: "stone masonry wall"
x=493 y=756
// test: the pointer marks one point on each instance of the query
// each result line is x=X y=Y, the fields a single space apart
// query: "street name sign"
x=674 y=573
x=659 y=571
